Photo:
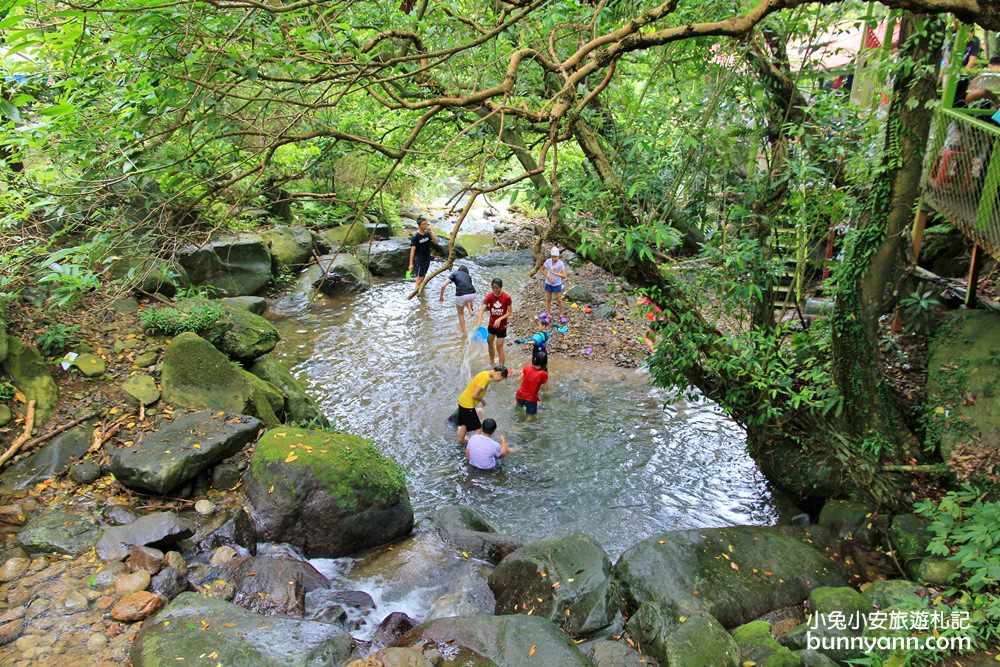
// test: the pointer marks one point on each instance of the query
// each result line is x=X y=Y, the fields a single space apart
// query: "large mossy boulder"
x=59 y=532
x=197 y=376
x=735 y=574
x=289 y=246
x=150 y=274
x=52 y=460
x=238 y=333
x=194 y=626
x=786 y=465
x=336 y=274
x=389 y=258
x=567 y=580
x=468 y=531
x=888 y=592
x=234 y=267
x=4 y=341
x=181 y=450
x=27 y=370
x=330 y=494
x=505 y=641
x=910 y=539
x=300 y=408
x=962 y=366
x=759 y=647
x=345 y=235
x=691 y=640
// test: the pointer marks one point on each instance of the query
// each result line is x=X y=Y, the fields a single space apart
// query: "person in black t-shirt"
x=420 y=251
x=465 y=294
x=972 y=50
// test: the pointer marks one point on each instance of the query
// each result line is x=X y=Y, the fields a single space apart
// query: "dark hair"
x=502 y=370
x=489 y=425
x=540 y=358
x=497 y=282
x=463 y=268
x=995 y=60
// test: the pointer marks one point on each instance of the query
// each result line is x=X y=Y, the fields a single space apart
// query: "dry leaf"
x=271 y=489
x=531 y=651
x=291 y=457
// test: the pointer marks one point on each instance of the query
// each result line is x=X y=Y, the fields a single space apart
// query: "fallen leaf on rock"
x=531 y=651
x=290 y=458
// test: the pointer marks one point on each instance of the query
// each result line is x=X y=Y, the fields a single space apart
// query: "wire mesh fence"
x=962 y=174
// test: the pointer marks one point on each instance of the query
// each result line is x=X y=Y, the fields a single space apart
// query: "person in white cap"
x=555 y=272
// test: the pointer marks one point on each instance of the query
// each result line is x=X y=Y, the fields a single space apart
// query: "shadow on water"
x=608 y=455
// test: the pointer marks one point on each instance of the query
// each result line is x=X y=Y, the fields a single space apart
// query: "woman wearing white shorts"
x=465 y=294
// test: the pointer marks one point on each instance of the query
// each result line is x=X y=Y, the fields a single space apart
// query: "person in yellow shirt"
x=475 y=394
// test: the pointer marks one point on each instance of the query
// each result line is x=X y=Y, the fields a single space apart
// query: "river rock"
x=223 y=556
x=347 y=234
x=579 y=293
x=225 y=476
x=379 y=230
x=692 y=640
x=236 y=636
x=242 y=335
x=567 y=580
x=814 y=659
x=392 y=627
x=168 y=583
x=606 y=653
x=344 y=274
x=144 y=558
x=6 y=414
x=507 y=641
x=12 y=629
x=52 y=460
x=289 y=246
x=141 y=388
x=389 y=258
x=936 y=571
x=13 y=568
x=119 y=515
x=300 y=408
x=225 y=527
x=888 y=592
x=59 y=532
x=467 y=530
x=234 y=267
x=85 y=472
x=345 y=607
x=329 y=494
x=523 y=257
x=394 y=657
x=276 y=587
x=136 y=606
x=196 y=376
x=910 y=539
x=758 y=646
x=181 y=450
x=740 y=573
x=175 y=560
x=158 y=529
x=843 y=517
x=132 y=583
x=27 y=370
x=90 y=365
x=441 y=248
x=254 y=304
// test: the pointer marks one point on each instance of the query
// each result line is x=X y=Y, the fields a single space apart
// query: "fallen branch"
x=157 y=297
x=29 y=423
x=102 y=435
x=940 y=469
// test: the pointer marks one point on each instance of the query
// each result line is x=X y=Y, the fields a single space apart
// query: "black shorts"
x=421 y=266
x=499 y=333
x=469 y=418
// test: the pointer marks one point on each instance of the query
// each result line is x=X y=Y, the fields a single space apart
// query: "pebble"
x=104 y=602
x=110 y=573
x=26 y=642
x=13 y=568
x=75 y=601
x=96 y=642
x=144 y=558
x=223 y=555
x=175 y=560
x=136 y=606
x=204 y=506
x=132 y=583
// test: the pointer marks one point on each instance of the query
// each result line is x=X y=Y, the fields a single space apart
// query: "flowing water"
x=608 y=455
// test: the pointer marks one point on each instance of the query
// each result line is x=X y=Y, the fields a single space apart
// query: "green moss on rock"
x=757 y=645
x=29 y=373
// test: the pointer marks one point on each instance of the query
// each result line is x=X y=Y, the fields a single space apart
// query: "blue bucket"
x=479 y=335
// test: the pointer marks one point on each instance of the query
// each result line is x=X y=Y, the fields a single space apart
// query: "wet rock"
x=196 y=375
x=175 y=560
x=223 y=555
x=59 y=532
x=606 y=653
x=340 y=274
x=27 y=370
x=158 y=529
x=347 y=234
x=11 y=625
x=504 y=640
x=90 y=365
x=235 y=267
x=241 y=335
x=52 y=460
x=109 y=574
x=168 y=583
x=300 y=408
x=467 y=530
x=182 y=449
x=141 y=388
x=96 y=643
x=13 y=568
x=441 y=248
x=936 y=571
x=757 y=645
x=910 y=538
x=136 y=606
x=604 y=312
x=119 y=515
x=74 y=601
x=254 y=304
x=379 y=230
x=225 y=476
x=467 y=594
x=523 y=257
x=328 y=493
x=144 y=558
x=289 y=246
x=392 y=627
x=145 y=360
x=389 y=258
x=672 y=638
x=349 y=608
x=85 y=472
x=132 y=583
x=226 y=527
x=741 y=573
x=245 y=642
x=579 y=293
x=394 y=657
x=889 y=592
x=567 y=580
x=276 y=586
x=843 y=517
x=204 y=506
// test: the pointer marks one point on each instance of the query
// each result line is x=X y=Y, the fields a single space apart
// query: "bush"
x=173 y=321
x=54 y=340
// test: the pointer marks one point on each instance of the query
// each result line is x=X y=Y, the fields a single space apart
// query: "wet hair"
x=463 y=269
x=502 y=370
x=497 y=283
x=540 y=358
x=489 y=426
x=995 y=61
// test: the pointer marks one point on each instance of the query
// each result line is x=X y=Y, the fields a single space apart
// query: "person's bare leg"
x=490 y=343
x=500 y=351
x=560 y=303
x=417 y=282
x=548 y=303
x=472 y=309
x=461 y=318
x=461 y=433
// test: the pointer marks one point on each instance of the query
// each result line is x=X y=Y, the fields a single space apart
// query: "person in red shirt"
x=500 y=306
x=533 y=377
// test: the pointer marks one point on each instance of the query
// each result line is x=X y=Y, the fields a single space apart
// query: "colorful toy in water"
x=588 y=309
x=409 y=273
x=544 y=317
x=563 y=329
x=588 y=351
x=573 y=306
x=479 y=335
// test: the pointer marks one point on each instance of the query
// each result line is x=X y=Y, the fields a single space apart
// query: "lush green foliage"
x=919 y=308
x=55 y=339
x=172 y=321
x=964 y=524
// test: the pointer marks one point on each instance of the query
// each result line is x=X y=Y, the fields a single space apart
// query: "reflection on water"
x=608 y=455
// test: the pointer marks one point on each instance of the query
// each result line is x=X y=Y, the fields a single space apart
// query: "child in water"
x=533 y=377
